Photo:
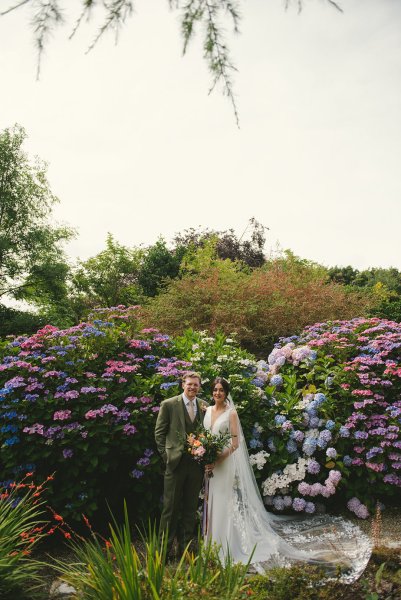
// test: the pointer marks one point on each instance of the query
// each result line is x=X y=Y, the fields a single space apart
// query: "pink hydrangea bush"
x=332 y=425
x=82 y=402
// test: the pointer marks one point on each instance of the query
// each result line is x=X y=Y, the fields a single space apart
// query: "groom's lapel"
x=181 y=408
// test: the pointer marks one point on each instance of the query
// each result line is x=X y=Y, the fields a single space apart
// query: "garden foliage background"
x=321 y=415
x=320 y=404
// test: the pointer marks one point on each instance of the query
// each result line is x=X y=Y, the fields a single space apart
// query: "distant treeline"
x=204 y=279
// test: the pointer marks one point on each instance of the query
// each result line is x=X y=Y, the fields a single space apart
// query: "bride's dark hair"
x=224 y=384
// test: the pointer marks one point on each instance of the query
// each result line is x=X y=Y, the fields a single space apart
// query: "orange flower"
x=86 y=521
x=67 y=535
x=58 y=517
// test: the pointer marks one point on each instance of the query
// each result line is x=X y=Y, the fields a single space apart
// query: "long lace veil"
x=324 y=540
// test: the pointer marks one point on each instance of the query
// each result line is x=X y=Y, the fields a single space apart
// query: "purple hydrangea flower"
x=298 y=504
x=298 y=435
x=136 y=474
x=331 y=453
x=313 y=466
x=278 y=503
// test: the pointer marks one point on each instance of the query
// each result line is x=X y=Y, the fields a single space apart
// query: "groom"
x=179 y=416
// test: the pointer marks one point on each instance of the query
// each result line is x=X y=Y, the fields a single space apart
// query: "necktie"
x=191 y=410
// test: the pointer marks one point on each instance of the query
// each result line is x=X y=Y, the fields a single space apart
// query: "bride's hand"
x=209 y=468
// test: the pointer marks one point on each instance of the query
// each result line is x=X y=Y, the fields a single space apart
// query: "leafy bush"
x=261 y=305
x=16 y=322
x=332 y=427
x=82 y=403
x=116 y=568
x=388 y=309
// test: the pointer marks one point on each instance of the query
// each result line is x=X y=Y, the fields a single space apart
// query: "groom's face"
x=191 y=387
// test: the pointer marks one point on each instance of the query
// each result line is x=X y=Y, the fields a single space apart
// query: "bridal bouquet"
x=205 y=446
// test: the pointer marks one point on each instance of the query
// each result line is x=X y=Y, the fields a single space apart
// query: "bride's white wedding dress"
x=239 y=523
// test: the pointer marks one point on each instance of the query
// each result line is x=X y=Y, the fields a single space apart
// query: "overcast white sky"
x=136 y=147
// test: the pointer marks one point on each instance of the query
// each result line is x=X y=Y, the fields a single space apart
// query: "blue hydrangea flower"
x=319 y=398
x=311 y=408
x=344 y=432
x=330 y=425
x=291 y=446
x=309 y=446
x=280 y=419
x=11 y=441
x=347 y=460
x=254 y=443
x=258 y=382
x=276 y=380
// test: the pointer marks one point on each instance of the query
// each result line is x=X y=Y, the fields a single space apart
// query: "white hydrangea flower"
x=292 y=472
x=259 y=459
x=312 y=433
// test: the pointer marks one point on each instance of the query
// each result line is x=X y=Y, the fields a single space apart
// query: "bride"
x=236 y=519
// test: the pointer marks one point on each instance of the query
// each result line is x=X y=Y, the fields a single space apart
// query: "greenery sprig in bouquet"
x=205 y=446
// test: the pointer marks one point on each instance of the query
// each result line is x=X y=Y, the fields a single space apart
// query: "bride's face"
x=219 y=394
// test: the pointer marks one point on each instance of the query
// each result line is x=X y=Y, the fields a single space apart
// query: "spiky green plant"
x=21 y=528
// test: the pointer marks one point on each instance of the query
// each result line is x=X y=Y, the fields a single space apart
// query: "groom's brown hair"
x=189 y=374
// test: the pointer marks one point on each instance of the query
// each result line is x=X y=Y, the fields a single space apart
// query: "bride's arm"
x=234 y=430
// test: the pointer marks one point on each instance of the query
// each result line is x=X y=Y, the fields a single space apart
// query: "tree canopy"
x=32 y=262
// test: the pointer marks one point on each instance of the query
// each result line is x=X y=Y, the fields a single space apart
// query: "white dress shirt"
x=187 y=401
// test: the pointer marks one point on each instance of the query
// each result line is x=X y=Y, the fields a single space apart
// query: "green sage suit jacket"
x=170 y=425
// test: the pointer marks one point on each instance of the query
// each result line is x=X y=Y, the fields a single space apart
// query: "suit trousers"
x=180 y=501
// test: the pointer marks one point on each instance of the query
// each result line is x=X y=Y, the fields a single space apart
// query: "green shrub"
x=259 y=305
